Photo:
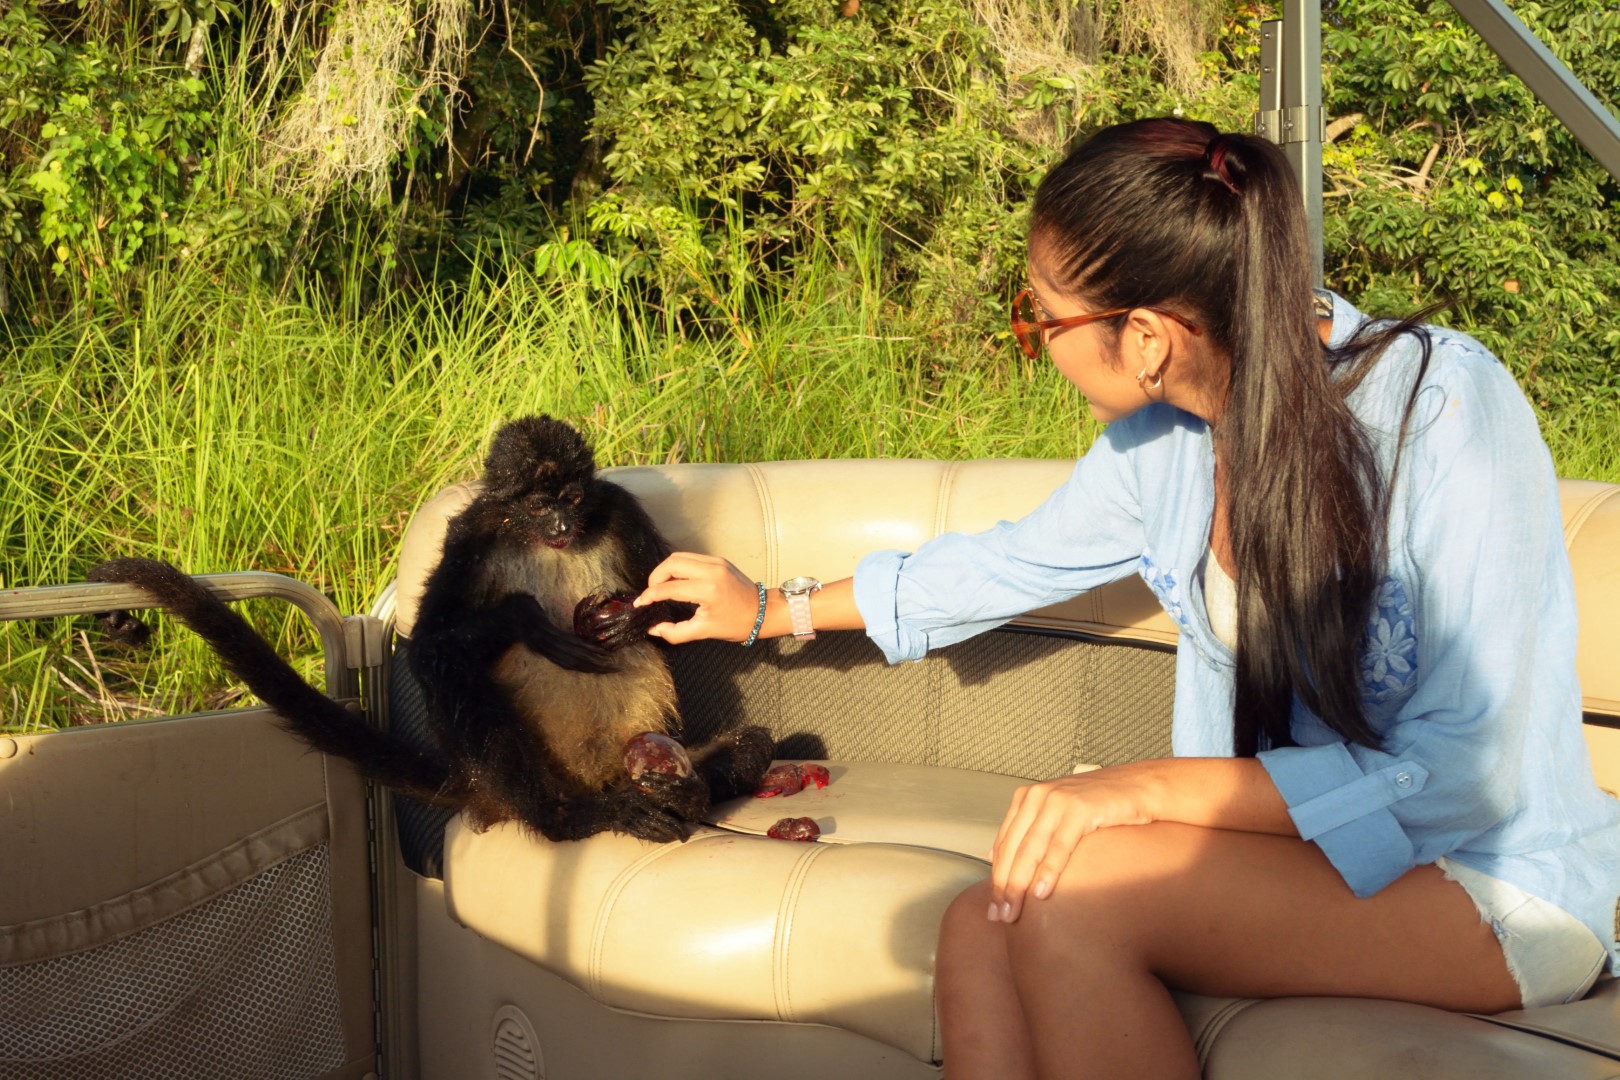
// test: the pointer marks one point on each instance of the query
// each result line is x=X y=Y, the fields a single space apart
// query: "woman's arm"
x=728 y=602
x=1047 y=821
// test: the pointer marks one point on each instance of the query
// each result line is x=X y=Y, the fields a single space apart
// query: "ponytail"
x=1174 y=215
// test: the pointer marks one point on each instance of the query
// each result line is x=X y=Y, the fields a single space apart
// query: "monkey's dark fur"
x=531 y=718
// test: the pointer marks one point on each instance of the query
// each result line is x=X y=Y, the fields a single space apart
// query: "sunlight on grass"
x=225 y=430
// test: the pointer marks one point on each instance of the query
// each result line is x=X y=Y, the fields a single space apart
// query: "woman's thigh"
x=1255 y=915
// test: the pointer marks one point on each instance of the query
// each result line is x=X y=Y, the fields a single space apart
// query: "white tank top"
x=1220 y=601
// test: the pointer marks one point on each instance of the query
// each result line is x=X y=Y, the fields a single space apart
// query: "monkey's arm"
x=475 y=638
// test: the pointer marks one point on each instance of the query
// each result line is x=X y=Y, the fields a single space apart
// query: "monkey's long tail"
x=325 y=724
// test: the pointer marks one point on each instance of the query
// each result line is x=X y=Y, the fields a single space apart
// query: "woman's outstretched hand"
x=727 y=602
x=1047 y=821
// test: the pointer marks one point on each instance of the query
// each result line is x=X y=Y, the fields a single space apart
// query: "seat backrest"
x=779 y=519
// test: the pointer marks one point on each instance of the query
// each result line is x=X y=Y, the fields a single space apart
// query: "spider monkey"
x=536 y=672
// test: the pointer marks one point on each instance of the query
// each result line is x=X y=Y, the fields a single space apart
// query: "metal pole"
x=1593 y=125
x=1291 y=103
x=1303 y=119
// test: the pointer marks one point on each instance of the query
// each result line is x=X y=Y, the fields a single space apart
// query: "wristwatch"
x=796 y=591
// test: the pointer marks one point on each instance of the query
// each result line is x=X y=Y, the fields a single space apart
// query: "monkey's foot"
x=733 y=763
x=651 y=752
x=686 y=797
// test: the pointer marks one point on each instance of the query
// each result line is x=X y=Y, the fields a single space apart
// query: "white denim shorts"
x=1550 y=953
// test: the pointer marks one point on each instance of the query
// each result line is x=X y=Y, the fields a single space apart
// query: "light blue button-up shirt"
x=1469 y=667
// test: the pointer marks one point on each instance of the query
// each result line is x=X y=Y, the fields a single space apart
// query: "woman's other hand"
x=1048 y=820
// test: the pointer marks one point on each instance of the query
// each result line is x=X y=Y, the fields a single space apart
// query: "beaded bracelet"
x=760 y=621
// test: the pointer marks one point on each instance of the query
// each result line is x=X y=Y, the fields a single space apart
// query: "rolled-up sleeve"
x=1492 y=614
x=1085 y=534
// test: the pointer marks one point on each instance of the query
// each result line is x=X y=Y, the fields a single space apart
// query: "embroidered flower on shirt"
x=1166 y=588
x=1389 y=661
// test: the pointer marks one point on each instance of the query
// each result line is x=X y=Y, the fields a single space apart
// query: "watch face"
x=800 y=585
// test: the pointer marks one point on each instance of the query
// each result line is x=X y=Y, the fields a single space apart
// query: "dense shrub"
x=697 y=149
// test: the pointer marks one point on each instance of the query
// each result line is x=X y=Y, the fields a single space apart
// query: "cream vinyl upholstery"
x=732 y=927
x=779 y=519
x=109 y=834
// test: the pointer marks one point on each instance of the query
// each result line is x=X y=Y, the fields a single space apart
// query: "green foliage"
x=113 y=160
x=666 y=219
x=1456 y=184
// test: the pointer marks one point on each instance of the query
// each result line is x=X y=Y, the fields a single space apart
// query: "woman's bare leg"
x=980 y=1018
x=1143 y=907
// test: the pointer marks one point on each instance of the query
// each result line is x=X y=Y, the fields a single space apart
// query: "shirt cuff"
x=877 y=579
x=1345 y=811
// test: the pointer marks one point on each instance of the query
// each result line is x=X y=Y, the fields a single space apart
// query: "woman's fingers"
x=727 y=602
x=1022 y=829
x=1039 y=834
x=683 y=566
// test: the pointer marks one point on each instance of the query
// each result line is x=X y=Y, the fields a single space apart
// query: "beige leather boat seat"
x=734 y=927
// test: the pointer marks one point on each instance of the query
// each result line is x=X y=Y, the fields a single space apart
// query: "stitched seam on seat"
x=947 y=483
x=781 y=946
x=610 y=898
x=936 y=1052
x=1578 y=519
x=768 y=523
x=1216 y=1024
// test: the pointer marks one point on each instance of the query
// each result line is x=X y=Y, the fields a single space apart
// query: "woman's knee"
x=965 y=925
x=1110 y=895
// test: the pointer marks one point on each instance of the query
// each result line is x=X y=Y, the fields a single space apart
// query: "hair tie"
x=1215 y=162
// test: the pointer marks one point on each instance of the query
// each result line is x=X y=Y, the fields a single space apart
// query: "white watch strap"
x=799 y=616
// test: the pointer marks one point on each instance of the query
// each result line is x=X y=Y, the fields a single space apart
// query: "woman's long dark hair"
x=1173 y=214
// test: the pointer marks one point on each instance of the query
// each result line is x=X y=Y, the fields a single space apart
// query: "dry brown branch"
x=1341 y=125
x=1420 y=181
x=539 y=108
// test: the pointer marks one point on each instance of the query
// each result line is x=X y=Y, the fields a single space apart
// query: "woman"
x=1380 y=786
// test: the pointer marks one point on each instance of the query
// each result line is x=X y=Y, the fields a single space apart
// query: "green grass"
x=225 y=429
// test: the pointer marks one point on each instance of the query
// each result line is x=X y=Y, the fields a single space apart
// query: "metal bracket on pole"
x=1291 y=112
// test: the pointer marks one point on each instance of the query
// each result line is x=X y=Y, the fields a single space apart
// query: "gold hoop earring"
x=1145 y=383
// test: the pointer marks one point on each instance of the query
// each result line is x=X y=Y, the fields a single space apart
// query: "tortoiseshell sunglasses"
x=1027 y=325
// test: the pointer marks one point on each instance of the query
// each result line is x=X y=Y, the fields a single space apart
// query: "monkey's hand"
x=561 y=646
x=659 y=815
x=611 y=620
x=124 y=629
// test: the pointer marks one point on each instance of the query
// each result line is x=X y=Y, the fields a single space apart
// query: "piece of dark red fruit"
x=595 y=616
x=794 y=828
x=815 y=775
x=785 y=779
x=651 y=752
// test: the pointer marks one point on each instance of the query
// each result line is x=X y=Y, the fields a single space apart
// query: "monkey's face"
x=540 y=478
x=552 y=515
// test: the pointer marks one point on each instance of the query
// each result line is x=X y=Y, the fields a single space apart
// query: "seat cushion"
x=723 y=926
x=734 y=925
x=871 y=802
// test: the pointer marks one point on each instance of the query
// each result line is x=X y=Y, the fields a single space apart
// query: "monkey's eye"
x=572 y=494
